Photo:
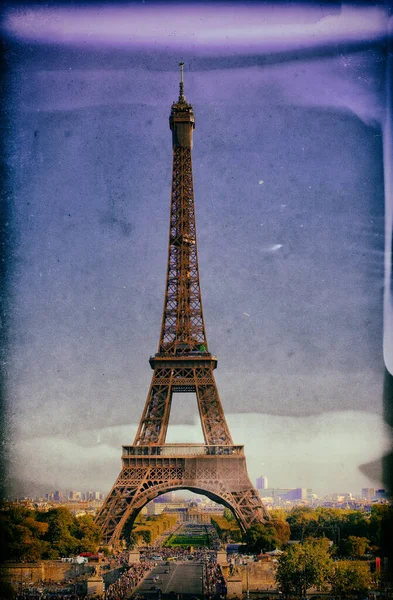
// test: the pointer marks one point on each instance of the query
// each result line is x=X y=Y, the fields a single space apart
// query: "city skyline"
x=290 y=496
x=290 y=229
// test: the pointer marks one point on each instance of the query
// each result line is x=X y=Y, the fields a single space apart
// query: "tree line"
x=311 y=564
x=353 y=533
x=323 y=548
x=28 y=535
x=146 y=530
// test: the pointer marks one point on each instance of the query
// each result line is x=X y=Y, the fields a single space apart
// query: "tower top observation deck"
x=181 y=120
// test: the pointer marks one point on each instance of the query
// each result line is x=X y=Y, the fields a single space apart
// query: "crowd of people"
x=132 y=575
x=214 y=580
x=46 y=596
x=179 y=553
x=122 y=588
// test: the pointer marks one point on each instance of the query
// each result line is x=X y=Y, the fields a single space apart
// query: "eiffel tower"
x=183 y=363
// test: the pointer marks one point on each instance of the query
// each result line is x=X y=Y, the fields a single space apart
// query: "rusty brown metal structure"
x=183 y=363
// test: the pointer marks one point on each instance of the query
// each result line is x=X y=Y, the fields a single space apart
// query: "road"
x=182 y=578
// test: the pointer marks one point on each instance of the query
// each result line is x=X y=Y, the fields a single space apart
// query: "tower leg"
x=154 y=423
x=214 y=425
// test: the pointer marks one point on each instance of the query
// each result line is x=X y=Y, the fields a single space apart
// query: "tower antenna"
x=181 y=94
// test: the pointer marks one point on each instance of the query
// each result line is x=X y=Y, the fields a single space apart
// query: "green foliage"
x=302 y=516
x=30 y=535
x=306 y=521
x=323 y=542
x=303 y=566
x=381 y=529
x=278 y=513
x=226 y=530
x=355 y=546
x=229 y=516
x=188 y=540
x=355 y=523
x=143 y=533
x=262 y=538
x=350 y=577
x=22 y=534
x=236 y=535
x=148 y=529
x=339 y=525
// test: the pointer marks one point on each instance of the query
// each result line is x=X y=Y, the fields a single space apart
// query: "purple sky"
x=290 y=107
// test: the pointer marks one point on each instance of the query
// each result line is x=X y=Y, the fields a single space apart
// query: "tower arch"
x=153 y=492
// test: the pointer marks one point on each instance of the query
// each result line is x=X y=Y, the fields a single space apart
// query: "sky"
x=293 y=194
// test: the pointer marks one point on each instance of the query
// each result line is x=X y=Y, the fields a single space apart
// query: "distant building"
x=190 y=514
x=368 y=493
x=216 y=509
x=156 y=508
x=382 y=494
x=196 y=515
x=94 y=496
x=296 y=494
x=75 y=496
x=342 y=497
x=279 y=495
x=58 y=496
x=276 y=494
x=164 y=498
x=262 y=482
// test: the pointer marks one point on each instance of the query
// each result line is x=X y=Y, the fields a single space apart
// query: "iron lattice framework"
x=183 y=329
x=182 y=364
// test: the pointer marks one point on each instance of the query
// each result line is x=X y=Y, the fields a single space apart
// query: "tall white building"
x=262 y=482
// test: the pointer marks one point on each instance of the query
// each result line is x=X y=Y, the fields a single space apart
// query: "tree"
x=273 y=534
x=22 y=535
x=32 y=535
x=356 y=523
x=88 y=533
x=323 y=542
x=301 y=516
x=226 y=530
x=302 y=519
x=350 y=577
x=62 y=532
x=228 y=515
x=303 y=566
x=355 y=546
x=381 y=528
x=278 y=513
x=143 y=533
x=132 y=540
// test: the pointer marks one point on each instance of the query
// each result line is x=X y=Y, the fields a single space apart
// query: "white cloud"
x=319 y=451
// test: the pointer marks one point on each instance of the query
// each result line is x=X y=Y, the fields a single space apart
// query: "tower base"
x=218 y=472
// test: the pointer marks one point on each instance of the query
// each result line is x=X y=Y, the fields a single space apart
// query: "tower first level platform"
x=219 y=472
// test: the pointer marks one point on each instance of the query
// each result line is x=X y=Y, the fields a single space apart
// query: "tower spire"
x=181 y=94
